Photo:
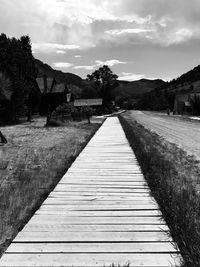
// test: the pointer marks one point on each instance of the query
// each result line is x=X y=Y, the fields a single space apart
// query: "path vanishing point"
x=100 y=213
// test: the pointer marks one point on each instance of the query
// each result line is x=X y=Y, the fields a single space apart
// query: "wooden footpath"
x=100 y=213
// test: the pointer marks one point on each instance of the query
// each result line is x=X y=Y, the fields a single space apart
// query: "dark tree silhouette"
x=17 y=64
x=104 y=80
x=3 y=139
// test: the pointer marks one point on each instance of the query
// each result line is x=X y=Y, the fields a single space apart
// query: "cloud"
x=131 y=76
x=53 y=47
x=77 y=56
x=84 y=23
x=62 y=65
x=109 y=63
x=124 y=31
x=84 y=67
x=99 y=63
x=127 y=76
x=61 y=52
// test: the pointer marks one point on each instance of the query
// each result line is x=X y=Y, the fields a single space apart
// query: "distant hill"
x=163 y=97
x=136 y=89
x=61 y=77
x=190 y=76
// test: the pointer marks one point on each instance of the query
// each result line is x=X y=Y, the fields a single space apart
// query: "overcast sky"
x=136 y=38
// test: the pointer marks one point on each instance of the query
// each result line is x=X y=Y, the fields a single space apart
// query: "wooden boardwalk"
x=100 y=213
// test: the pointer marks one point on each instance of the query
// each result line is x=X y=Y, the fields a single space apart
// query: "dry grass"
x=174 y=179
x=31 y=164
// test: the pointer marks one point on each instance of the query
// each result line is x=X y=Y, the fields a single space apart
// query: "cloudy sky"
x=136 y=38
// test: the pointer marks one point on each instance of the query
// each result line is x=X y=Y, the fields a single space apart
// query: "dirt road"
x=184 y=133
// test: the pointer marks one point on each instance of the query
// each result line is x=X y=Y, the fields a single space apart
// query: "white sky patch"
x=53 y=47
x=77 y=56
x=127 y=76
x=99 y=63
x=62 y=65
x=131 y=76
x=84 y=67
x=126 y=73
x=110 y=62
x=129 y=31
x=182 y=35
x=168 y=37
x=61 y=52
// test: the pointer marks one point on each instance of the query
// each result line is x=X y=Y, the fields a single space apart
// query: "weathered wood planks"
x=100 y=213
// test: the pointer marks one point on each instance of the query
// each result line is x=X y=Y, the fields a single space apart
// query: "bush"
x=76 y=114
x=54 y=123
x=87 y=113
x=69 y=111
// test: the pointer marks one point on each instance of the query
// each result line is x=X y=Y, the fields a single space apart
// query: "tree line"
x=157 y=100
x=17 y=67
x=18 y=72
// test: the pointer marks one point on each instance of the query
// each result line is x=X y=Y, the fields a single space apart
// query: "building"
x=96 y=102
x=184 y=103
x=53 y=93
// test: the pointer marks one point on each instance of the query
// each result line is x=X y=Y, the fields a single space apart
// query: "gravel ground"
x=179 y=130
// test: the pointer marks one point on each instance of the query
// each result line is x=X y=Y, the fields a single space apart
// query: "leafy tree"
x=17 y=63
x=104 y=80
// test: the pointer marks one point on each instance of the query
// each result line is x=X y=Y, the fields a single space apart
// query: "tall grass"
x=173 y=178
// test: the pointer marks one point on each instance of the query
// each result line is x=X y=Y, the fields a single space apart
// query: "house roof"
x=41 y=84
x=50 y=82
x=88 y=102
x=58 y=88
x=48 y=85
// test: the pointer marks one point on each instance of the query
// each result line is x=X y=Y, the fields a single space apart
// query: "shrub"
x=54 y=123
x=87 y=113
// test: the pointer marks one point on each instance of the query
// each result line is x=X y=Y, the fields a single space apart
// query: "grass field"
x=31 y=164
x=173 y=177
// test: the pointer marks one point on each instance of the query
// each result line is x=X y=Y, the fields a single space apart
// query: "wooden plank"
x=95 y=227
x=102 y=190
x=133 y=198
x=100 y=186
x=137 y=204
x=104 y=181
x=150 y=247
x=89 y=260
x=99 y=194
x=94 y=206
x=103 y=184
x=64 y=201
x=92 y=237
x=102 y=213
x=64 y=219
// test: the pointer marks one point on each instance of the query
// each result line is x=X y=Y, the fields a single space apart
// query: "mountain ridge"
x=61 y=77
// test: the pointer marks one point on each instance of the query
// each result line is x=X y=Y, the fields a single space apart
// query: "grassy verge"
x=31 y=164
x=173 y=178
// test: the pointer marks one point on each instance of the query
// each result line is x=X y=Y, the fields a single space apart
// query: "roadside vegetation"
x=31 y=164
x=173 y=177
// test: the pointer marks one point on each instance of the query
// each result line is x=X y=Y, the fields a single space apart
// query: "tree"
x=104 y=80
x=31 y=102
x=87 y=112
x=17 y=63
